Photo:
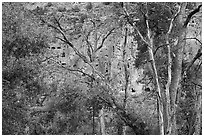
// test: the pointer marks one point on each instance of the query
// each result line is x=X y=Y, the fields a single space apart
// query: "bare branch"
x=198 y=55
x=162 y=46
x=47 y=58
x=60 y=39
x=59 y=30
x=190 y=15
x=75 y=70
x=58 y=23
x=86 y=37
x=195 y=39
x=87 y=40
x=172 y=20
x=99 y=37
x=199 y=65
x=200 y=86
x=134 y=26
x=104 y=38
x=94 y=24
x=80 y=71
x=75 y=50
x=125 y=68
x=146 y=18
x=141 y=36
x=66 y=40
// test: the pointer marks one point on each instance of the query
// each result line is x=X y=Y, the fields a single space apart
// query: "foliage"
x=107 y=67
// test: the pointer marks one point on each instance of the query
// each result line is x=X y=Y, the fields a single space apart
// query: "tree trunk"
x=159 y=96
x=177 y=66
x=158 y=116
x=198 y=121
x=166 y=95
x=119 y=126
x=165 y=111
x=126 y=77
x=93 y=120
x=102 y=122
x=157 y=86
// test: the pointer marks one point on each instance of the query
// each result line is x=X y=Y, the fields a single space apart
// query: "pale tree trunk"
x=174 y=76
x=198 y=121
x=167 y=100
x=159 y=130
x=158 y=89
x=166 y=95
x=165 y=110
x=177 y=68
x=102 y=121
x=150 y=42
x=177 y=65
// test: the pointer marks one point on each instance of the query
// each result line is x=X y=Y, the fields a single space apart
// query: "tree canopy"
x=115 y=68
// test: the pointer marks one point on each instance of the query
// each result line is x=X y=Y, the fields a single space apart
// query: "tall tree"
x=167 y=102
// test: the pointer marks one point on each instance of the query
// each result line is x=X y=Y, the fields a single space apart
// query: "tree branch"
x=59 y=30
x=134 y=26
x=190 y=15
x=125 y=69
x=104 y=38
x=146 y=18
x=162 y=46
x=87 y=40
x=94 y=24
x=195 y=39
x=60 y=39
x=68 y=42
x=198 y=55
x=47 y=58
x=76 y=70
x=155 y=73
x=58 y=23
x=64 y=39
x=197 y=84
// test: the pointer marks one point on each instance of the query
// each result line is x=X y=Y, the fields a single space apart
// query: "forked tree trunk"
x=149 y=42
x=177 y=68
x=166 y=95
x=168 y=104
x=158 y=89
